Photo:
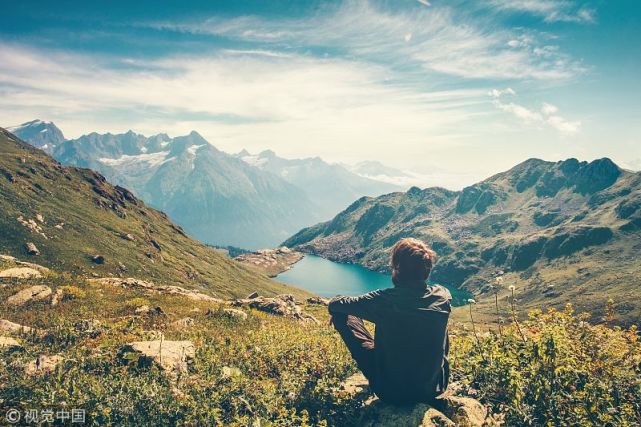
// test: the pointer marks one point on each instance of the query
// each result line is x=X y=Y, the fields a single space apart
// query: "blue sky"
x=456 y=89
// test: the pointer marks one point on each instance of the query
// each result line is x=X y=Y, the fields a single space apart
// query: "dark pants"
x=359 y=342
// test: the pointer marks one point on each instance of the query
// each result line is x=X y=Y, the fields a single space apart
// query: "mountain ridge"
x=79 y=222
x=538 y=218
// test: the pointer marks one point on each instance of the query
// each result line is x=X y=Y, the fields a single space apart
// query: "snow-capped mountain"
x=44 y=135
x=216 y=197
x=331 y=186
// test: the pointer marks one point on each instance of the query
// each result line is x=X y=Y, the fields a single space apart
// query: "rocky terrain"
x=73 y=219
x=271 y=262
x=559 y=232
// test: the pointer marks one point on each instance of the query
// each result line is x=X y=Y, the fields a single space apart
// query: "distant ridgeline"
x=566 y=231
x=239 y=200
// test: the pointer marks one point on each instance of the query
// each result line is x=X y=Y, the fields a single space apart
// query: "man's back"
x=409 y=361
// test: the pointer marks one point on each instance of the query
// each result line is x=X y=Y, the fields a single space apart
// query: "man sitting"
x=406 y=362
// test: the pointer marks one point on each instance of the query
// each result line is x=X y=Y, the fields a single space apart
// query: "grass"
x=268 y=370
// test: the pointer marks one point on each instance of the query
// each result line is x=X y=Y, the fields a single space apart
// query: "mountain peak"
x=41 y=134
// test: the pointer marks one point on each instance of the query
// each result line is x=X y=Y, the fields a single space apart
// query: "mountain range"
x=560 y=232
x=73 y=219
x=222 y=199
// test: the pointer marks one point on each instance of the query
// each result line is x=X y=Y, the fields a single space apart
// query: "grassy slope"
x=94 y=224
x=269 y=369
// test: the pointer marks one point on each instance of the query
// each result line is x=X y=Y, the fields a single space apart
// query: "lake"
x=328 y=279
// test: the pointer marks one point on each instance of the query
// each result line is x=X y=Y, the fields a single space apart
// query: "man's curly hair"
x=411 y=261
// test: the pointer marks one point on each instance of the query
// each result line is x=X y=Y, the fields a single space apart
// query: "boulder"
x=318 y=301
x=145 y=310
x=20 y=273
x=9 y=343
x=184 y=322
x=447 y=410
x=33 y=293
x=252 y=295
x=31 y=249
x=15 y=328
x=171 y=356
x=43 y=364
x=281 y=305
x=235 y=313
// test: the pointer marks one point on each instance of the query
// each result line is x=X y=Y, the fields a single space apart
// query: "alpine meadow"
x=320 y=213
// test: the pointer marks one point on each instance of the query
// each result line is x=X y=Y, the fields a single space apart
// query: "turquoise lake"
x=328 y=279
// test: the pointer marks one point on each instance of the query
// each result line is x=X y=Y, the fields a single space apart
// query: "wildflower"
x=512 y=287
x=471 y=301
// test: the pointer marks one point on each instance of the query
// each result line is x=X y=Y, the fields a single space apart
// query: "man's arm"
x=365 y=306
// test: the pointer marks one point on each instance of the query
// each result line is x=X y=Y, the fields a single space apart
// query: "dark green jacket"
x=411 y=340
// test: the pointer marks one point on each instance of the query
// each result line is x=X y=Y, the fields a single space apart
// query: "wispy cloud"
x=546 y=115
x=435 y=39
x=549 y=10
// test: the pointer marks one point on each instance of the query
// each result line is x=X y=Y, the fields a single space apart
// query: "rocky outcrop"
x=281 y=305
x=317 y=301
x=10 y=327
x=446 y=411
x=8 y=343
x=271 y=261
x=131 y=283
x=43 y=365
x=31 y=249
x=20 y=273
x=33 y=293
x=171 y=356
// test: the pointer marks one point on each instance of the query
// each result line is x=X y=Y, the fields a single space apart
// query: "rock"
x=148 y=311
x=43 y=364
x=184 y=322
x=281 y=305
x=465 y=411
x=172 y=356
x=131 y=283
x=33 y=293
x=59 y=226
x=356 y=384
x=318 y=301
x=90 y=327
x=447 y=410
x=235 y=313
x=128 y=236
x=9 y=343
x=40 y=218
x=252 y=295
x=230 y=372
x=122 y=266
x=20 y=273
x=7 y=326
x=32 y=249
x=57 y=297
x=98 y=259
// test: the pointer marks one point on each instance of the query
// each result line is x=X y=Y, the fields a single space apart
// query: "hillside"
x=81 y=223
x=330 y=186
x=141 y=358
x=564 y=232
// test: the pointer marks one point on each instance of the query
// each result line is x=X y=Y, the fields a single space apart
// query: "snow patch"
x=151 y=159
x=192 y=149
x=254 y=160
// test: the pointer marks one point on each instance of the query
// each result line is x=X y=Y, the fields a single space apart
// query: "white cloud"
x=549 y=109
x=549 y=10
x=547 y=116
x=298 y=105
x=443 y=40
